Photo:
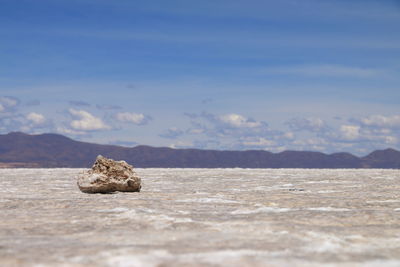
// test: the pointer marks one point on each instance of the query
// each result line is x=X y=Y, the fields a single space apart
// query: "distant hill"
x=53 y=150
x=388 y=158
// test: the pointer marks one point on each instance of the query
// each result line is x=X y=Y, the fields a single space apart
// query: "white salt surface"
x=203 y=217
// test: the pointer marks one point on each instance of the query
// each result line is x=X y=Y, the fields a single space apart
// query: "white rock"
x=108 y=176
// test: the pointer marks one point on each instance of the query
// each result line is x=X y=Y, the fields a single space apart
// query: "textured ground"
x=197 y=217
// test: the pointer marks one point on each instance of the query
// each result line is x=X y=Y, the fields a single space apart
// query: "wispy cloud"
x=123 y=143
x=247 y=38
x=258 y=142
x=326 y=70
x=134 y=118
x=108 y=107
x=172 y=133
x=307 y=124
x=79 y=103
x=265 y=10
x=33 y=103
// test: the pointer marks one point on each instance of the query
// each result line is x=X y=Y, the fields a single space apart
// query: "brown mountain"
x=53 y=150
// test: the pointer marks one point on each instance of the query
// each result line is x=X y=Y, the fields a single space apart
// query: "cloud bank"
x=208 y=130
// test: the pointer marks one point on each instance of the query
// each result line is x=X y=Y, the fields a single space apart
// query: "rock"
x=108 y=176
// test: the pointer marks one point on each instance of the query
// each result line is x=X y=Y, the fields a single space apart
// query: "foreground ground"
x=203 y=217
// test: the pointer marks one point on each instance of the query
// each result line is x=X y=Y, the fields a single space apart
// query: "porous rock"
x=108 y=176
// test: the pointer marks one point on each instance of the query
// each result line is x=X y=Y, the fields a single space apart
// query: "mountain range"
x=54 y=150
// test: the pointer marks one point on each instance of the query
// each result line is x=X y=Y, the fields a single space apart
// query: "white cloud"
x=233 y=131
x=350 y=132
x=181 y=144
x=289 y=135
x=382 y=121
x=239 y=121
x=25 y=129
x=86 y=121
x=135 y=118
x=195 y=131
x=8 y=106
x=124 y=143
x=391 y=140
x=36 y=118
x=8 y=102
x=65 y=130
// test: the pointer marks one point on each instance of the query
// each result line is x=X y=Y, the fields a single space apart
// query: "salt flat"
x=203 y=217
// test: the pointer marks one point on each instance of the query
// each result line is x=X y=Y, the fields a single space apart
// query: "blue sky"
x=272 y=75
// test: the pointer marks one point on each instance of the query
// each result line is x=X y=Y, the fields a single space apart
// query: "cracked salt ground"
x=203 y=217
